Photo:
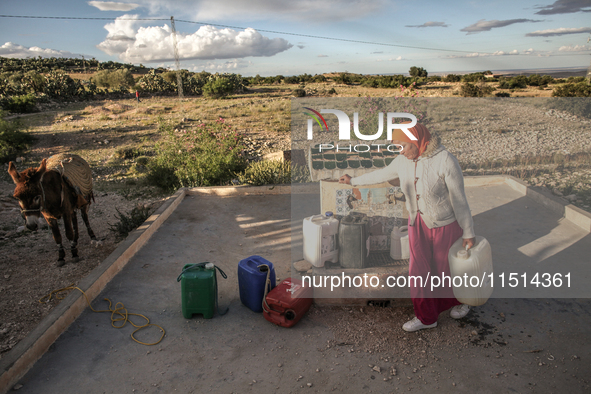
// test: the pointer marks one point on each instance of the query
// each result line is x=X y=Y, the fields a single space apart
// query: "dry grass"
x=96 y=130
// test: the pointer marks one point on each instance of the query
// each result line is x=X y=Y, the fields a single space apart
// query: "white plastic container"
x=320 y=239
x=399 y=246
x=474 y=263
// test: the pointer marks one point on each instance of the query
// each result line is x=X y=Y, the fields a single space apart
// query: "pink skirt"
x=428 y=258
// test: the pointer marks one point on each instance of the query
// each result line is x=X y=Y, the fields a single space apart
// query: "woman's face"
x=409 y=150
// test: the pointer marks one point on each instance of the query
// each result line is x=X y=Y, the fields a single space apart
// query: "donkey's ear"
x=42 y=167
x=14 y=173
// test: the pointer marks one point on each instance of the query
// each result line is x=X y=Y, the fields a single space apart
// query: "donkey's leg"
x=57 y=237
x=74 y=243
x=84 y=212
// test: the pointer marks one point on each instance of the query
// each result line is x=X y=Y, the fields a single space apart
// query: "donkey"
x=45 y=192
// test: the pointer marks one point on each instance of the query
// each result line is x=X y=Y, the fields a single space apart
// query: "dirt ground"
x=28 y=261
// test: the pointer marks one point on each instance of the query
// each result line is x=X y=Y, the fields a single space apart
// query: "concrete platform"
x=242 y=352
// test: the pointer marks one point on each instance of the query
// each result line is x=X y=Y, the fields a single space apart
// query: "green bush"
x=273 y=172
x=207 y=156
x=129 y=222
x=473 y=77
x=472 y=90
x=217 y=88
x=300 y=92
x=418 y=72
x=59 y=85
x=20 y=104
x=581 y=89
x=518 y=82
x=452 y=78
x=12 y=140
x=114 y=78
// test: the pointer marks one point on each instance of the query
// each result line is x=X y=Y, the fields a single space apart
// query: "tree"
x=418 y=72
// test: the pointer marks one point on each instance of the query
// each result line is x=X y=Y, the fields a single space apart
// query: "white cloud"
x=230 y=65
x=430 y=24
x=154 y=43
x=12 y=50
x=113 y=6
x=486 y=54
x=576 y=48
x=396 y=59
x=308 y=10
x=484 y=25
x=322 y=55
x=558 y=32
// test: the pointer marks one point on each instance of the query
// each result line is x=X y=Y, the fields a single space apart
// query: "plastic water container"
x=198 y=290
x=288 y=302
x=252 y=276
x=320 y=239
x=475 y=262
x=354 y=241
x=399 y=246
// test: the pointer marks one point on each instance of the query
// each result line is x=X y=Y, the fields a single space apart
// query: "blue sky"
x=476 y=35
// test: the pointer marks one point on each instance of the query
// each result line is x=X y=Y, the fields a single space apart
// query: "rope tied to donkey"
x=118 y=314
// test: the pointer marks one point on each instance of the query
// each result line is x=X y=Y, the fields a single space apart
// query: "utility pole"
x=179 y=79
x=589 y=69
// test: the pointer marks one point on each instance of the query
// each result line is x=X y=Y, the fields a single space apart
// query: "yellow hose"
x=119 y=310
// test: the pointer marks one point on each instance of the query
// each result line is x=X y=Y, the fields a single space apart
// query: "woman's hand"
x=469 y=241
x=346 y=179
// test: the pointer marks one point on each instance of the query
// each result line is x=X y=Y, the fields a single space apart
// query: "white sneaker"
x=415 y=325
x=459 y=311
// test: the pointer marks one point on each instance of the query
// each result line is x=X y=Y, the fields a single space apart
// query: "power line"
x=244 y=28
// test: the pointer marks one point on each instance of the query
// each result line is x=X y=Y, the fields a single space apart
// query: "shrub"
x=12 y=140
x=472 y=90
x=154 y=83
x=129 y=152
x=20 y=104
x=59 y=85
x=518 y=82
x=300 y=92
x=217 y=88
x=581 y=89
x=272 y=172
x=473 y=77
x=452 y=78
x=129 y=222
x=114 y=78
x=207 y=156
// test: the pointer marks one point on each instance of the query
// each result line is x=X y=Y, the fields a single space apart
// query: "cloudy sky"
x=271 y=37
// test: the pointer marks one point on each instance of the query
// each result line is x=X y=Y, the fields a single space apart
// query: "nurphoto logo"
x=345 y=128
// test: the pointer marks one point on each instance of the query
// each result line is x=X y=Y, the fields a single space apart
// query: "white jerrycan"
x=469 y=265
x=321 y=239
x=399 y=246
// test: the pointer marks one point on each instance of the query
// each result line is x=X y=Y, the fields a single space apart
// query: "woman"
x=439 y=215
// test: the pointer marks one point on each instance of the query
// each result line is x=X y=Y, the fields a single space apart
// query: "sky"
x=288 y=37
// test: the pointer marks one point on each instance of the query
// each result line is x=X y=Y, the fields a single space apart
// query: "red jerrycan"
x=287 y=303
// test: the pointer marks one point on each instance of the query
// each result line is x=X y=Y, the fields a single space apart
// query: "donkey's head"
x=28 y=192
